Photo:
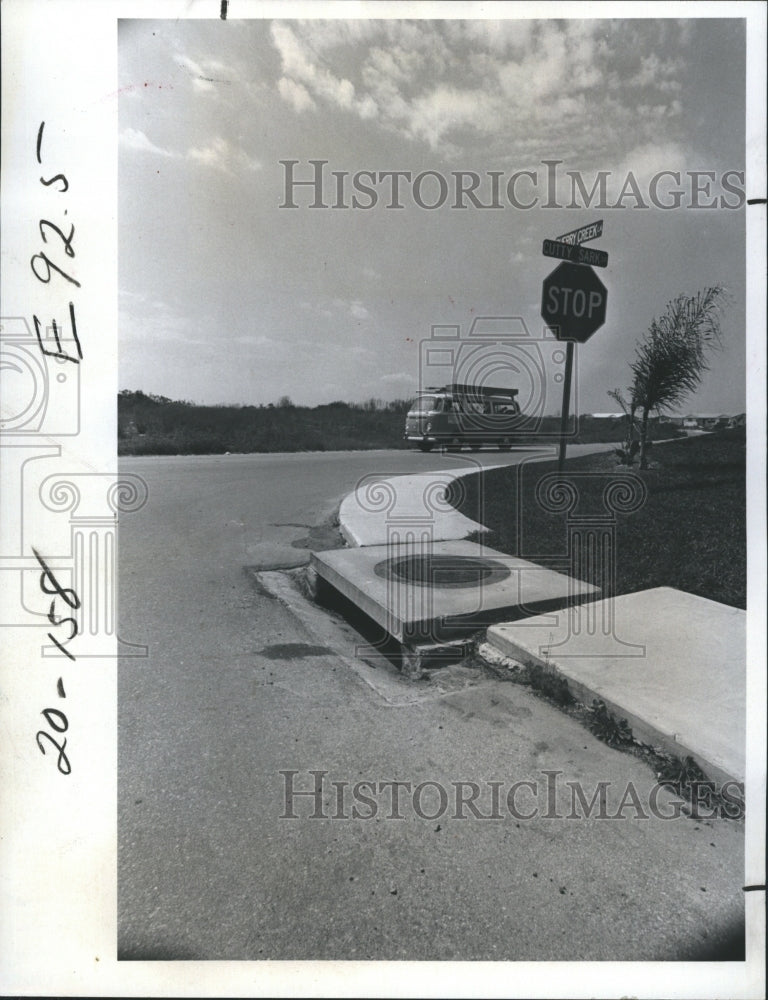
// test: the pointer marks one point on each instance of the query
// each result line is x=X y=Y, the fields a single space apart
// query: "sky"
x=229 y=296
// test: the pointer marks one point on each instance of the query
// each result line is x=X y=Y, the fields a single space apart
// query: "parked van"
x=456 y=415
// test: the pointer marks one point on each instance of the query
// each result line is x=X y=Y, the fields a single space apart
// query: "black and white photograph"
x=383 y=472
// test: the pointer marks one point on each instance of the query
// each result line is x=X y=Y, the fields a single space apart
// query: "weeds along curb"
x=682 y=776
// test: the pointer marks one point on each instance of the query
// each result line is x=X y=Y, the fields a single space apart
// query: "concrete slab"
x=672 y=663
x=460 y=586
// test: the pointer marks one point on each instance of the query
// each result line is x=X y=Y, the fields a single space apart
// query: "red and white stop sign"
x=573 y=301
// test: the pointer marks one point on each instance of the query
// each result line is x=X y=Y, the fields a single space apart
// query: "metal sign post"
x=573 y=303
x=566 y=405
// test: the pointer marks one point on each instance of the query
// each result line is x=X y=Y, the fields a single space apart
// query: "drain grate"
x=442 y=570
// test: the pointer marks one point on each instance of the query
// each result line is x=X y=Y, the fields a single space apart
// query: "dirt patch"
x=322 y=537
x=293 y=650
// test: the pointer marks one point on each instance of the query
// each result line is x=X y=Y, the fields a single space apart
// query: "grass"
x=690 y=533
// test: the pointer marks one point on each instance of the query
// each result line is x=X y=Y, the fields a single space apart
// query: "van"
x=456 y=415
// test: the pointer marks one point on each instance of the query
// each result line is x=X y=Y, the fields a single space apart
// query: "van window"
x=426 y=403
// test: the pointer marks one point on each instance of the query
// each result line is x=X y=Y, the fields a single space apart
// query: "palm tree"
x=672 y=357
x=632 y=436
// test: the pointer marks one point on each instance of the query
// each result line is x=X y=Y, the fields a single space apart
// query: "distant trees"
x=670 y=362
x=152 y=425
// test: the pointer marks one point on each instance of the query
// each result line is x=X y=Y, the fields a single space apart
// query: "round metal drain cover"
x=442 y=571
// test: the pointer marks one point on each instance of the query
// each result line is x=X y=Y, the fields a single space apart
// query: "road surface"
x=239 y=703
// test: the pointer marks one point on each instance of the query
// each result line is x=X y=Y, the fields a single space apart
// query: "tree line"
x=156 y=425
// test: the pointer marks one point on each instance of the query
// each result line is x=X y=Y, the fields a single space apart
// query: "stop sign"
x=573 y=301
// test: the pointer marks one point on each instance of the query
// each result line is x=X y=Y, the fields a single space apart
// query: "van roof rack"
x=472 y=390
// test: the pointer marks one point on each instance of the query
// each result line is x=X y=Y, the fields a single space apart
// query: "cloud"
x=204 y=75
x=452 y=84
x=655 y=72
x=303 y=77
x=221 y=155
x=296 y=94
x=145 y=320
x=353 y=307
x=446 y=108
x=133 y=138
x=648 y=160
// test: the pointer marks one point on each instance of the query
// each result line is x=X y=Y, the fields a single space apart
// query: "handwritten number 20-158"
x=58 y=722
x=55 y=718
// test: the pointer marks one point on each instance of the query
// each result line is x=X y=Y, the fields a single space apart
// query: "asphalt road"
x=237 y=688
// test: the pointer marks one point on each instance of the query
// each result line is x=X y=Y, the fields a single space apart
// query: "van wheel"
x=425 y=445
x=453 y=445
x=477 y=445
x=505 y=445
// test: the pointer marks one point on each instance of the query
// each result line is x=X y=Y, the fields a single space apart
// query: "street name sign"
x=583 y=234
x=573 y=302
x=575 y=253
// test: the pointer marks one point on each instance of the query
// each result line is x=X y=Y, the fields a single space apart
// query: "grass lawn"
x=690 y=532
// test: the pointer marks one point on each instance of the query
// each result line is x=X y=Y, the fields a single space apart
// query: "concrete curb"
x=366 y=515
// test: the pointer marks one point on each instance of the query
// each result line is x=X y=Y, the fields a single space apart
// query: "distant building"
x=706 y=421
x=603 y=416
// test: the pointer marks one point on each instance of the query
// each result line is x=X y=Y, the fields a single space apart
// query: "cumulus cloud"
x=352 y=307
x=445 y=108
x=452 y=83
x=338 y=307
x=650 y=159
x=295 y=93
x=305 y=79
x=133 y=138
x=221 y=155
x=358 y=310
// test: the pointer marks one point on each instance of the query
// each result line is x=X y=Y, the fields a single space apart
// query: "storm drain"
x=427 y=570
